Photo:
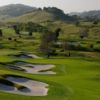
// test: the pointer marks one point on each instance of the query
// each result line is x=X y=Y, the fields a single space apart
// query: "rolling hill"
x=23 y=13
x=13 y=10
x=44 y=15
x=92 y=13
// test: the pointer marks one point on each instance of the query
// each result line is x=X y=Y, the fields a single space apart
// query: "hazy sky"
x=66 y=5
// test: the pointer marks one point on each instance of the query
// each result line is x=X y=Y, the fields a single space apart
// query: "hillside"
x=44 y=15
x=14 y=10
x=35 y=16
x=91 y=13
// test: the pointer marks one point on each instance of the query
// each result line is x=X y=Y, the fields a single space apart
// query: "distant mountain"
x=58 y=13
x=23 y=13
x=93 y=13
x=48 y=14
x=14 y=10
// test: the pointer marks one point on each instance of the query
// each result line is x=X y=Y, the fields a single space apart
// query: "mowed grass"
x=76 y=79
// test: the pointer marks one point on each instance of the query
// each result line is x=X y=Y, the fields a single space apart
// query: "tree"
x=17 y=30
x=84 y=32
x=57 y=33
x=30 y=28
x=77 y=23
x=46 y=45
x=95 y=22
x=48 y=42
x=30 y=33
x=66 y=47
x=1 y=33
x=9 y=38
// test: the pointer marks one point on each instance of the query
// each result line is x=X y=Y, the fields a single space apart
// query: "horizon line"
x=50 y=6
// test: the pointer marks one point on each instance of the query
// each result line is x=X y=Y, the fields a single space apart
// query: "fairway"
x=48 y=52
x=75 y=79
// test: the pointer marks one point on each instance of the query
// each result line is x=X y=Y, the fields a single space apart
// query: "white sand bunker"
x=25 y=86
x=36 y=68
x=26 y=55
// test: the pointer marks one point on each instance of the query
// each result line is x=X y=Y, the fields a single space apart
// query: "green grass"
x=75 y=79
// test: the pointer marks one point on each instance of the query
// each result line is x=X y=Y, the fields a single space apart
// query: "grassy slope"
x=36 y=16
x=76 y=79
x=72 y=81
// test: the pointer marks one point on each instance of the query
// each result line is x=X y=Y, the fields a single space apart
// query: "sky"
x=66 y=5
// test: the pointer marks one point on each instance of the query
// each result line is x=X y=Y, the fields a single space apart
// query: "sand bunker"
x=26 y=55
x=33 y=68
x=15 y=67
x=24 y=86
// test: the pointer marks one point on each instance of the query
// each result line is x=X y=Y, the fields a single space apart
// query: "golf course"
x=45 y=58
